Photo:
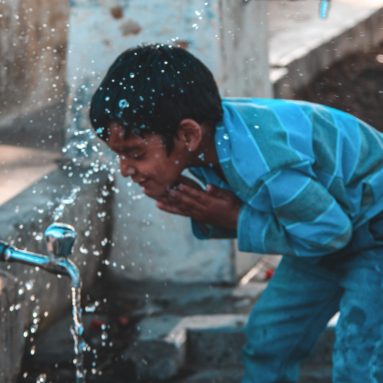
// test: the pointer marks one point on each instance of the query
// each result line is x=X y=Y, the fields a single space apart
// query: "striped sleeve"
x=303 y=219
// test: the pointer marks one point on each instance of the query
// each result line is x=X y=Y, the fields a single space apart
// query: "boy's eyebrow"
x=127 y=149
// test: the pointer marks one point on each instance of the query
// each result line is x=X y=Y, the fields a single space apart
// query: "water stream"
x=77 y=331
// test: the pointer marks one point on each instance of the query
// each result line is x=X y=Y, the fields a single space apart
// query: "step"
x=312 y=373
x=225 y=375
x=167 y=343
x=216 y=376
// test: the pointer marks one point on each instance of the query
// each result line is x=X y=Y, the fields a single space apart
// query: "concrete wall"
x=11 y=334
x=33 y=36
x=244 y=52
x=31 y=298
x=230 y=38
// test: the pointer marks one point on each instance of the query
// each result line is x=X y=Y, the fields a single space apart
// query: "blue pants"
x=300 y=299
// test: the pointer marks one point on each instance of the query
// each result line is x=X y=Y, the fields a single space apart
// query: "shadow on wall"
x=354 y=84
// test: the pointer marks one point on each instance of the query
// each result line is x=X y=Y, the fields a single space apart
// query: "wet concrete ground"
x=117 y=313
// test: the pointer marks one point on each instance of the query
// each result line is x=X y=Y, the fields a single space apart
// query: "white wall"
x=229 y=36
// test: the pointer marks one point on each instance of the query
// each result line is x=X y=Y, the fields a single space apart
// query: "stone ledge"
x=20 y=167
x=298 y=67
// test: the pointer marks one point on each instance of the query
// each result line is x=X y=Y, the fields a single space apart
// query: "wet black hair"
x=151 y=88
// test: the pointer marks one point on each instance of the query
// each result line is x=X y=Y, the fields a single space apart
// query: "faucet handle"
x=60 y=238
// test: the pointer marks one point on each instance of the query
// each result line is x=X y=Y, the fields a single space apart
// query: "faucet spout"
x=12 y=254
x=59 y=238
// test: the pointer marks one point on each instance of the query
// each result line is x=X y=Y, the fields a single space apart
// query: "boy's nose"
x=126 y=170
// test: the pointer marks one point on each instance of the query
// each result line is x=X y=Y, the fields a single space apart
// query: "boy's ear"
x=190 y=133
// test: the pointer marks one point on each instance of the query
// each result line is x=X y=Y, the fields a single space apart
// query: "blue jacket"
x=308 y=175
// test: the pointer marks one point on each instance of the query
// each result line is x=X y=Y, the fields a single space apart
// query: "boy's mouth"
x=140 y=180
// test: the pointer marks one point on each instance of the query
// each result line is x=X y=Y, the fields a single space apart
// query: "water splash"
x=58 y=212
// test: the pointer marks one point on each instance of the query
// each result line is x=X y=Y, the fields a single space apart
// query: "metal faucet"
x=59 y=238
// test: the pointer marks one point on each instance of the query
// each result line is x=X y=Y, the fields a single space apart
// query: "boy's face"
x=146 y=161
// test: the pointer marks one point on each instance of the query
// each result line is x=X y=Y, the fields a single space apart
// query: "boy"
x=285 y=177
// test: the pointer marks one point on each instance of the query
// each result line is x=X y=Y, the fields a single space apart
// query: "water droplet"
x=91 y=308
x=42 y=378
x=83 y=250
x=225 y=136
x=99 y=130
x=104 y=242
x=123 y=103
x=29 y=284
x=132 y=75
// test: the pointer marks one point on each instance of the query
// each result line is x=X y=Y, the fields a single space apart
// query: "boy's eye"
x=137 y=156
x=132 y=156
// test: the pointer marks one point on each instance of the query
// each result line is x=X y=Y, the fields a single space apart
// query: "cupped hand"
x=213 y=206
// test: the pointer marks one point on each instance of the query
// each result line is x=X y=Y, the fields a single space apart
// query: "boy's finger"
x=196 y=195
x=188 y=181
x=171 y=209
x=217 y=192
x=190 y=201
x=211 y=189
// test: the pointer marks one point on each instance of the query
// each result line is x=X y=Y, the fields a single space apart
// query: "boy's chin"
x=155 y=194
